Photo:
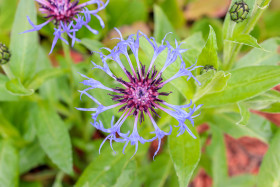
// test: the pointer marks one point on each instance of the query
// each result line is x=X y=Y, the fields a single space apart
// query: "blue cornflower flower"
x=69 y=17
x=140 y=94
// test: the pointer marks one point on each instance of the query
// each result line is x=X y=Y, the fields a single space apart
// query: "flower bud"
x=239 y=11
x=206 y=69
x=4 y=54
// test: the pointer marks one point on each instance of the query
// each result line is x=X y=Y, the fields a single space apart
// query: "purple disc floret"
x=139 y=94
x=69 y=17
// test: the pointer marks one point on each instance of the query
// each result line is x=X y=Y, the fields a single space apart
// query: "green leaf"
x=245 y=39
x=92 y=45
x=53 y=136
x=173 y=11
x=7 y=130
x=127 y=176
x=273 y=108
x=244 y=112
x=30 y=156
x=4 y=94
x=185 y=154
x=217 y=150
x=24 y=47
x=50 y=89
x=7 y=12
x=30 y=184
x=15 y=87
x=241 y=181
x=162 y=25
x=130 y=12
x=194 y=44
x=216 y=84
x=257 y=126
x=45 y=75
x=208 y=55
x=243 y=84
x=8 y=165
x=269 y=174
x=202 y=25
x=260 y=57
x=264 y=101
x=159 y=170
x=106 y=168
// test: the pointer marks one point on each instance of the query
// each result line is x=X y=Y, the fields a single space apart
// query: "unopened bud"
x=239 y=11
x=206 y=68
x=5 y=54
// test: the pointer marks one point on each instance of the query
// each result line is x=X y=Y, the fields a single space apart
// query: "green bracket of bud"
x=239 y=11
x=5 y=54
x=206 y=69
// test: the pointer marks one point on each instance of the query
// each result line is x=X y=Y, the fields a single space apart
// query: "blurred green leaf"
x=264 y=101
x=173 y=12
x=257 y=126
x=8 y=165
x=15 y=87
x=208 y=55
x=7 y=12
x=194 y=44
x=159 y=170
x=44 y=75
x=127 y=176
x=217 y=150
x=270 y=18
x=241 y=181
x=58 y=180
x=162 y=25
x=185 y=154
x=269 y=174
x=49 y=90
x=125 y=12
x=244 y=112
x=4 y=94
x=53 y=136
x=273 y=108
x=24 y=47
x=92 y=45
x=216 y=84
x=106 y=168
x=30 y=156
x=30 y=184
x=202 y=25
x=244 y=83
x=246 y=39
x=260 y=57
x=7 y=130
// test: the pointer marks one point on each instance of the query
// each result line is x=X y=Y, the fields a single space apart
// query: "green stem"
x=69 y=63
x=230 y=56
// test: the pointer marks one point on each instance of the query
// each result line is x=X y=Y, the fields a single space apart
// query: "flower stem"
x=232 y=51
x=69 y=63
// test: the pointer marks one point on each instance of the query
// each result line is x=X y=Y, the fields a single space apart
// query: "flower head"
x=69 y=17
x=140 y=95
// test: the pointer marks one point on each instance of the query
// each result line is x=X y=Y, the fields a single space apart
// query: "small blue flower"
x=68 y=16
x=139 y=96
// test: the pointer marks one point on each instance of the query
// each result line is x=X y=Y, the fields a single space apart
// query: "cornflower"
x=140 y=93
x=68 y=16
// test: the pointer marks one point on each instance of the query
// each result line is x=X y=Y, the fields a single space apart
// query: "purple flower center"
x=60 y=10
x=141 y=93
